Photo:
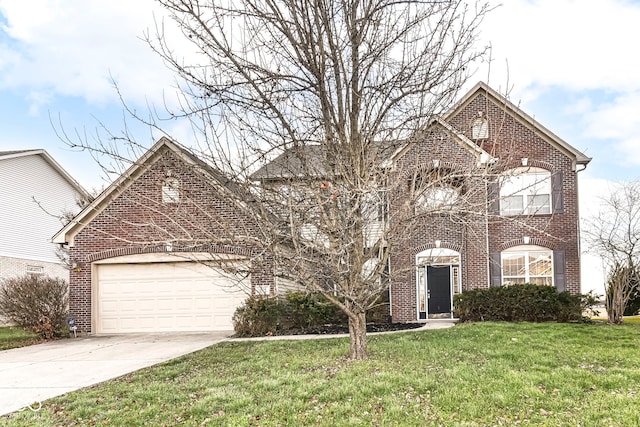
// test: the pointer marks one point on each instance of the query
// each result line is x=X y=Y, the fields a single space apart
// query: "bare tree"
x=332 y=85
x=614 y=234
x=302 y=104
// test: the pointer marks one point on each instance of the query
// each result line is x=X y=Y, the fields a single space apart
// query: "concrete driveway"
x=32 y=374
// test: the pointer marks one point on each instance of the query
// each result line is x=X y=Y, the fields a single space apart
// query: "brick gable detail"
x=482 y=234
x=138 y=222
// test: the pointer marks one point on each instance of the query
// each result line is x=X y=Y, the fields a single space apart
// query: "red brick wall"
x=451 y=230
x=480 y=234
x=136 y=221
x=510 y=140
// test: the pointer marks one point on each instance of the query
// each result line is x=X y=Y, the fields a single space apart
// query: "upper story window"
x=480 y=128
x=375 y=206
x=437 y=198
x=525 y=191
x=527 y=264
x=171 y=191
x=436 y=190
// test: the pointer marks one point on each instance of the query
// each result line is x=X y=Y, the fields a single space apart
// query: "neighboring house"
x=159 y=250
x=152 y=252
x=38 y=196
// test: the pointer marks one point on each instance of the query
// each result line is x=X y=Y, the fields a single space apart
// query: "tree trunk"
x=358 y=336
x=615 y=303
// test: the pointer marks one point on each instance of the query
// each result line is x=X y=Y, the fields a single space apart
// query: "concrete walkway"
x=29 y=375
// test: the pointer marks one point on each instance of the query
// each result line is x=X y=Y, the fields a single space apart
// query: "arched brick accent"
x=137 y=250
x=443 y=245
x=444 y=164
x=536 y=241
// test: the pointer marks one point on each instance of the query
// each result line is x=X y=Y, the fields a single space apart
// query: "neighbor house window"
x=171 y=191
x=525 y=191
x=527 y=264
x=35 y=269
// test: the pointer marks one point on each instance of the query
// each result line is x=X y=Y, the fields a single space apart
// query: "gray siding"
x=25 y=227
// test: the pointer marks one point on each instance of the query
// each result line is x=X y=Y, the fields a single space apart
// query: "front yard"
x=472 y=375
x=13 y=337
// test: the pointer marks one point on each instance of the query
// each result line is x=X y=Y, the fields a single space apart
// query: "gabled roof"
x=12 y=154
x=482 y=156
x=124 y=181
x=518 y=114
x=310 y=160
x=289 y=164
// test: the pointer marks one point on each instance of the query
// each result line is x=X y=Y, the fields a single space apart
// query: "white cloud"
x=617 y=120
x=74 y=47
x=580 y=45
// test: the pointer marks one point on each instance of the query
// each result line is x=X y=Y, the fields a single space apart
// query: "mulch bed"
x=344 y=329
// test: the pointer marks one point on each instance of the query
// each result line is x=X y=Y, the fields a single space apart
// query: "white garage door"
x=165 y=297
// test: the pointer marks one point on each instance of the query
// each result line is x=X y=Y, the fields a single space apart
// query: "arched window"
x=171 y=191
x=525 y=191
x=480 y=128
x=527 y=264
x=437 y=198
x=437 y=190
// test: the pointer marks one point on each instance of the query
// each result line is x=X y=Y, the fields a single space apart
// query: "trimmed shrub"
x=304 y=311
x=521 y=303
x=295 y=312
x=258 y=316
x=633 y=305
x=37 y=303
x=380 y=312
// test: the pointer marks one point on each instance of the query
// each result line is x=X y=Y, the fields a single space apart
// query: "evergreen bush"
x=521 y=303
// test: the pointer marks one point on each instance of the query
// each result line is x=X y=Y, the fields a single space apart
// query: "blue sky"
x=569 y=64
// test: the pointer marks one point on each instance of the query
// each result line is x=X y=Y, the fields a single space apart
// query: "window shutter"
x=495 y=269
x=556 y=193
x=493 y=194
x=559 y=276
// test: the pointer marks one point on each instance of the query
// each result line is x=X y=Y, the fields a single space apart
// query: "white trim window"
x=35 y=269
x=527 y=264
x=480 y=128
x=171 y=191
x=525 y=191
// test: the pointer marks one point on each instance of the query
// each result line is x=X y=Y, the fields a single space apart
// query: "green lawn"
x=12 y=337
x=481 y=374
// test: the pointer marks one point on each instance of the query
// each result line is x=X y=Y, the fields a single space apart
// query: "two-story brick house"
x=147 y=251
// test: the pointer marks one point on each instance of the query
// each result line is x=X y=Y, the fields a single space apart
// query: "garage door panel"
x=165 y=297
